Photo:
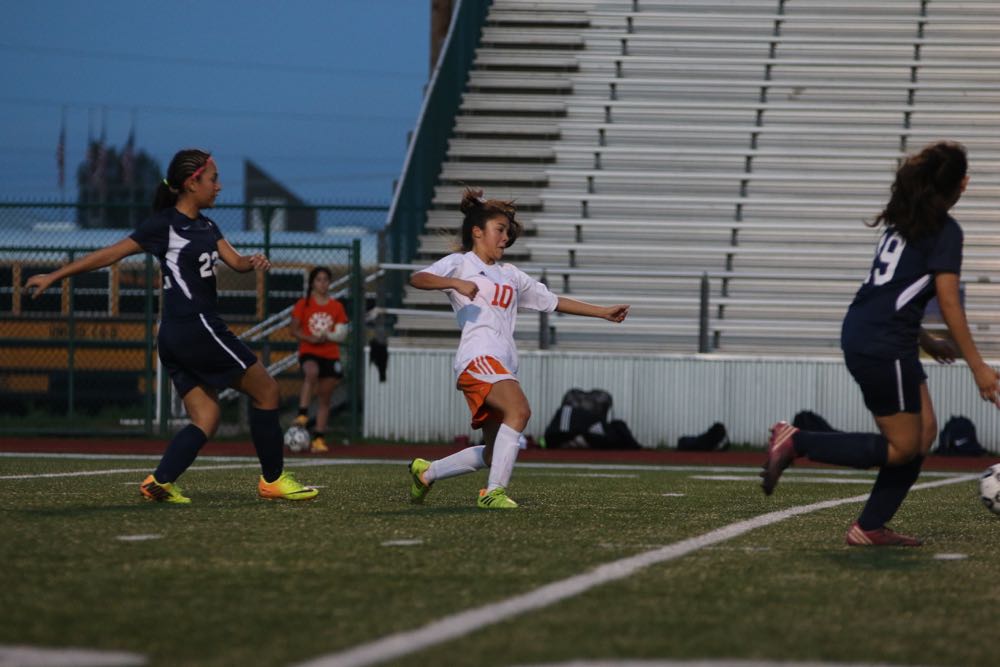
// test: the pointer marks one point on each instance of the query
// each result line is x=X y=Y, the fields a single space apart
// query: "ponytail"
x=186 y=164
x=927 y=185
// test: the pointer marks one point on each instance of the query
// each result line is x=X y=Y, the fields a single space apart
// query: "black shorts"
x=889 y=386
x=328 y=368
x=202 y=351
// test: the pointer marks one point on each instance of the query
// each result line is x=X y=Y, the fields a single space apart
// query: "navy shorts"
x=202 y=351
x=328 y=368
x=889 y=386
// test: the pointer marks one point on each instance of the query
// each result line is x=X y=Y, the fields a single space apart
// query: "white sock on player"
x=465 y=461
x=505 y=450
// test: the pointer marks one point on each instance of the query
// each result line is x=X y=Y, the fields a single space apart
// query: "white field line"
x=34 y=656
x=233 y=463
x=402 y=543
x=113 y=471
x=701 y=663
x=785 y=479
x=250 y=461
x=463 y=623
x=138 y=538
x=607 y=475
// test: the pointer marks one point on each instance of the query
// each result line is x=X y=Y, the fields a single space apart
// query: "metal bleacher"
x=649 y=142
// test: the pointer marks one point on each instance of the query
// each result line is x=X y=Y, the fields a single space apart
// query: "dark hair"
x=182 y=167
x=478 y=211
x=927 y=185
x=312 y=276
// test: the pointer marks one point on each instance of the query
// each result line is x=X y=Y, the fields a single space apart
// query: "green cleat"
x=497 y=499
x=419 y=490
x=285 y=487
x=162 y=493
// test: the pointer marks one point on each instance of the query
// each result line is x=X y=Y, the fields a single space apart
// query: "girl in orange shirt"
x=319 y=322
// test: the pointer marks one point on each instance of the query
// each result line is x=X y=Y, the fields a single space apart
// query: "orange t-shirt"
x=317 y=319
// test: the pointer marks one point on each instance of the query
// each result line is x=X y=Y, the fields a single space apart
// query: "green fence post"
x=357 y=338
x=71 y=347
x=268 y=215
x=164 y=388
x=150 y=381
x=268 y=219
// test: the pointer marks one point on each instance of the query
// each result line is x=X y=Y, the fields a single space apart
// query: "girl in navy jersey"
x=195 y=347
x=485 y=295
x=919 y=256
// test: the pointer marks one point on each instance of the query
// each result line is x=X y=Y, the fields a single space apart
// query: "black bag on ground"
x=807 y=420
x=958 y=438
x=582 y=421
x=715 y=438
x=615 y=434
x=596 y=402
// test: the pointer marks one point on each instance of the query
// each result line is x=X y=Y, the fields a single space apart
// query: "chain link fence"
x=82 y=359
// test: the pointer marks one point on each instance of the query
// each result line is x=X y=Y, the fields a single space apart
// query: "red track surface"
x=407 y=452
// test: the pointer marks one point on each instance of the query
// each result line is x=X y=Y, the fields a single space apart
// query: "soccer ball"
x=297 y=439
x=338 y=334
x=989 y=488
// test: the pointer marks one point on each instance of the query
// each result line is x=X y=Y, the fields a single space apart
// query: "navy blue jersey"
x=884 y=318
x=188 y=251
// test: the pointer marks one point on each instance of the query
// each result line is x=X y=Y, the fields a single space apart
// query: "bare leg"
x=310 y=373
x=507 y=399
x=202 y=405
x=324 y=394
x=262 y=389
x=490 y=429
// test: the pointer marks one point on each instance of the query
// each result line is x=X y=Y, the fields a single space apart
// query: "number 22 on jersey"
x=206 y=267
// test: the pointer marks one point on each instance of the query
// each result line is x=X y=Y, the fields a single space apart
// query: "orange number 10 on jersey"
x=502 y=295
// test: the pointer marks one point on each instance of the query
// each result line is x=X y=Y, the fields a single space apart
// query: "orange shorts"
x=476 y=381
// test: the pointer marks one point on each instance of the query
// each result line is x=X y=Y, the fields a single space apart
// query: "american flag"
x=61 y=155
x=99 y=153
x=128 y=158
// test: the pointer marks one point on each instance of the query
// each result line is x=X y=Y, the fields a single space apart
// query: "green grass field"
x=233 y=580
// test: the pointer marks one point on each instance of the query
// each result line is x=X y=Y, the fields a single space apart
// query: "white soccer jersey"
x=487 y=322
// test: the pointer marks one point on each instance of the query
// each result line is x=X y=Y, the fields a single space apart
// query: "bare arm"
x=241 y=263
x=946 y=286
x=429 y=281
x=96 y=260
x=570 y=306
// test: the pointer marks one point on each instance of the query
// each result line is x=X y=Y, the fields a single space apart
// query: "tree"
x=115 y=189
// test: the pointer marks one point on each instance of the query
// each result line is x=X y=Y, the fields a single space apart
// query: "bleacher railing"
x=707 y=331
x=429 y=141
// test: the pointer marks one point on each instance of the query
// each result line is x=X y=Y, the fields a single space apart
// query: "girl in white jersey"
x=486 y=295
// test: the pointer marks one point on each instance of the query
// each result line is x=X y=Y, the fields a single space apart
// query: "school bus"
x=92 y=342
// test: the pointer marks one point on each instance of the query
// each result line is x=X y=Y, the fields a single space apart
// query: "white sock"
x=468 y=460
x=505 y=449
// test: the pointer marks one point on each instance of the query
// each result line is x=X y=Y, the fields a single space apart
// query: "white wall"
x=660 y=397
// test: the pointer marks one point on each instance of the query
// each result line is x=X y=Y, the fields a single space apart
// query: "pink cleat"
x=780 y=454
x=880 y=537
